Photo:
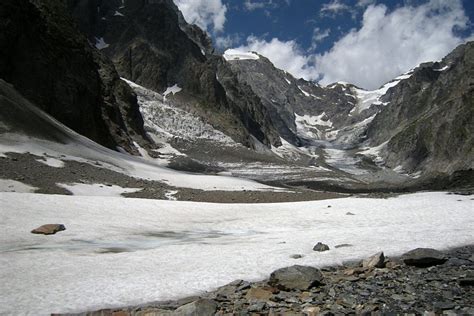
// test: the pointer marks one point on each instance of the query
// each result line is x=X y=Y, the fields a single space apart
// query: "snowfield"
x=118 y=252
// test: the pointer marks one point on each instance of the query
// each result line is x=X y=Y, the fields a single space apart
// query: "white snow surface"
x=96 y=189
x=7 y=185
x=235 y=54
x=116 y=252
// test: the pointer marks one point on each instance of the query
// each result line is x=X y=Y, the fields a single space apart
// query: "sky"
x=364 y=42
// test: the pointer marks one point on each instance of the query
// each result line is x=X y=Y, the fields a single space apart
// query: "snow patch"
x=374 y=152
x=304 y=92
x=96 y=189
x=118 y=14
x=52 y=162
x=442 y=69
x=171 y=90
x=170 y=195
x=7 y=185
x=235 y=54
x=100 y=43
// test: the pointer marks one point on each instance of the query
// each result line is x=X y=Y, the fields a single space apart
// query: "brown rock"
x=49 y=229
x=258 y=294
x=375 y=261
x=311 y=311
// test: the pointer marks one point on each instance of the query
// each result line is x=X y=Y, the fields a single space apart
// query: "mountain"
x=134 y=75
x=151 y=45
x=430 y=118
x=51 y=63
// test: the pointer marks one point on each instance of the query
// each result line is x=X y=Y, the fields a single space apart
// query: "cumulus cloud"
x=206 y=14
x=284 y=55
x=390 y=43
x=386 y=45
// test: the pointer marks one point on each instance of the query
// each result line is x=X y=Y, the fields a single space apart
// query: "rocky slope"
x=49 y=62
x=423 y=281
x=152 y=45
x=429 y=121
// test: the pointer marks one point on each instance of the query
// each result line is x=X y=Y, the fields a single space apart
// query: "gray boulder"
x=296 y=277
x=321 y=247
x=375 y=261
x=424 y=257
x=201 y=307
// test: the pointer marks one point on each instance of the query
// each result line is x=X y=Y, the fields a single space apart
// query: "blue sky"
x=366 y=42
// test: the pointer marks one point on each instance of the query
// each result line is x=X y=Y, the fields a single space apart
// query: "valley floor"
x=123 y=252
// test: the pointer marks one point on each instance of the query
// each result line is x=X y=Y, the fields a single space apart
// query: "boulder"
x=296 y=277
x=200 y=307
x=321 y=247
x=49 y=229
x=424 y=257
x=258 y=294
x=375 y=261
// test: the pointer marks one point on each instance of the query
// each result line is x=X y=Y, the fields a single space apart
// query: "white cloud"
x=365 y=3
x=334 y=7
x=390 y=43
x=387 y=45
x=204 y=13
x=251 y=5
x=254 y=5
x=318 y=36
x=284 y=55
x=223 y=42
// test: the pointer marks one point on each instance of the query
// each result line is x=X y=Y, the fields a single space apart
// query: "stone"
x=423 y=257
x=342 y=245
x=296 y=256
x=321 y=247
x=257 y=307
x=200 y=307
x=311 y=311
x=49 y=229
x=258 y=294
x=296 y=277
x=375 y=261
x=349 y=213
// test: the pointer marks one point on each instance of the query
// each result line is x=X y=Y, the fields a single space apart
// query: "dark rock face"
x=48 y=229
x=429 y=121
x=296 y=277
x=424 y=257
x=285 y=97
x=151 y=44
x=48 y=61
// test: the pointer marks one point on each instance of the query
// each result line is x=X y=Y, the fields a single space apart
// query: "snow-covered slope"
x=117 y=252
x=61 y=143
